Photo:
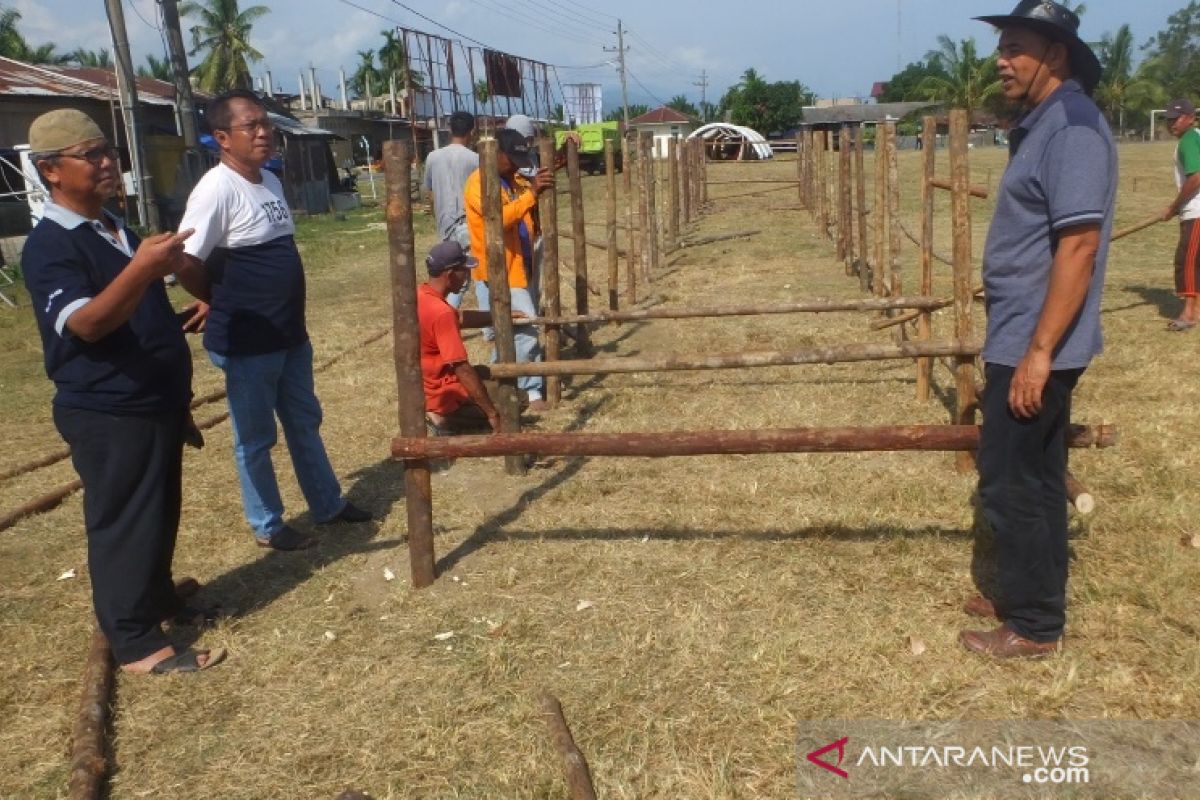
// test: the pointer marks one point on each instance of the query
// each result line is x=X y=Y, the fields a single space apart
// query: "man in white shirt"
x=446 y=171
x=243 y=261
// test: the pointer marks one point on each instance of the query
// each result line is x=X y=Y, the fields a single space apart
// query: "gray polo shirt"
x=1062 y=172
x=446 y=171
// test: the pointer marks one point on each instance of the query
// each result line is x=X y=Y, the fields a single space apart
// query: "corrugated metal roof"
x=20 y=79
x=867 y=112
x=660 y=116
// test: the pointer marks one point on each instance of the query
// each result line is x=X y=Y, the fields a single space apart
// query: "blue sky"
x=838 y=49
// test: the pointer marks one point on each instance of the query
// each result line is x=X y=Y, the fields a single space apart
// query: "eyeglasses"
x=264 y=125
x=95 y=156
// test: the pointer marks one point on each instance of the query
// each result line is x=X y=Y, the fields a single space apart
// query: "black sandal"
x=188 y=661
x=198 y=616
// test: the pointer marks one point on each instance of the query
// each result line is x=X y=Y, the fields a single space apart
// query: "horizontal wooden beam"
x=752 y=309
x=974 y=191
x=837 y=354
x=700 y=443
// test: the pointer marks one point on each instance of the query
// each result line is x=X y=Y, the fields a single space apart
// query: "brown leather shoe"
x=1004 y=642
x=980 y=606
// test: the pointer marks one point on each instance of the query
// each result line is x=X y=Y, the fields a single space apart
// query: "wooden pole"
x=800 y=166
x=579 y=229
x=633 y=215
x=846 y=212
x=579 y=777
x=1132 y=229
x=406 y=345
x=702 y=157
x=551 y=289
x=896 y=285
x=973 y=191
x=652 y=227
x=644 y=229
x=823 y=183
x=879 y=214
x=501 y=297
x=925 y=319
x=737 y=442
x=860 y=187
x=610 y=173
x=89 y=749
x=673 y=180
x=810 y=174
x=960 y=173
x=835 y=354
x=1083 y=500
x=685 y=169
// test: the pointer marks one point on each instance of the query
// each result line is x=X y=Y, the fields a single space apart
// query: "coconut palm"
x=365 y=76
x=393 y=62
x=14 y=45
x=92 y=58
x=481 y=92
x=1118 y=82
x=156 y=68
x=224 y=31
x=970 y=81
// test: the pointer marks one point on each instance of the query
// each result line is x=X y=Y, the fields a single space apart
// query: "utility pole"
x=147 y=210
x=620 y=51
x=179 y=72
x=703 y=84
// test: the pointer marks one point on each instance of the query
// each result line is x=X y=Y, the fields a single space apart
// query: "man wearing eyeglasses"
x=122 y=372
x=243 y=260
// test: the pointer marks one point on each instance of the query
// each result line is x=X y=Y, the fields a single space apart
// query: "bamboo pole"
x=89 y=749
x=925 y=318
x=737 y=442
x=960 y=172
x=751 y=309
x=896 y=285
x=610 y=173
x=501 y=297
x=551 y=288
x=673 y=179
x=652 y=229
x=579 y=230
x=579 y=777
x=835 y=354
x=410 y=403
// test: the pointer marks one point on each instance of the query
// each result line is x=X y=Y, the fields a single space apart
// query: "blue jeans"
x=529 y=348
x=259 y=388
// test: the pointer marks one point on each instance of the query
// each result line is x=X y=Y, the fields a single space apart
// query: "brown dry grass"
x=733 y=597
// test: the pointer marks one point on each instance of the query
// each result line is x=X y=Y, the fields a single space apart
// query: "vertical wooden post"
x=648 y=175
x=698 y=175
x=628 y=170
x=579 y=229
x=800 y=166
x=685 y=169
x=822 y=186
x=925 y=320
x=673 y=180
x=895 y=271
x=860 y=186
x=810 y=173
x=960 y=180
x=501 y=297
x=703 y=157
x=551 y=291
x=644 y=230
x=879 y=212
x=839 y=224
x=846 y=213
x=410 y=404
x=610 y=173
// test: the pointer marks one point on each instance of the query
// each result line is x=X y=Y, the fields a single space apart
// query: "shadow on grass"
x=1164 y=299
x=837 y=532
x=256 y=584
x=483 y=532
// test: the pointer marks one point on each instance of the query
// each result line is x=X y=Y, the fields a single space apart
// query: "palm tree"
x=92 y=58
x=684 y=106
x=481 y=91
x=365 y=76
x=393 y=62
x=1117 y=79
x=970 y=81
x=156 y=68
x=14 y=45
x=224 y=31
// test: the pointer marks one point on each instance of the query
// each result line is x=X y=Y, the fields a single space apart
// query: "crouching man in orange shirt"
x=456 y=400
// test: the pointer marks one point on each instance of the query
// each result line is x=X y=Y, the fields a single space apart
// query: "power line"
x=560 y=10
x=653 y=52
x=541 y=25
x=653 y=96
x=372 y=13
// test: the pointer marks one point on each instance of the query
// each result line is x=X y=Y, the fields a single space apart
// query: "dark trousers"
x=131 y=468
x=1023 y=492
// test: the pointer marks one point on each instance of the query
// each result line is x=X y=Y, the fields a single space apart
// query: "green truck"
x=591 y=151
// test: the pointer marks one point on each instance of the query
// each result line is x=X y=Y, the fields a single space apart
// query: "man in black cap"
x=1181 y=120
x=1043 y=272
x=456 y=400
x=520 y=232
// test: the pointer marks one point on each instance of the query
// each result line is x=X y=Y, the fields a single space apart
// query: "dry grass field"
x=728 y=598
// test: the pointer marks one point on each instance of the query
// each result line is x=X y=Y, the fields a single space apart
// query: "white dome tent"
x=739 y=142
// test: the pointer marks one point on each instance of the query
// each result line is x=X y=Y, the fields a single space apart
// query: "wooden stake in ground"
x=633 y=215
x=960 y=177
x=800 y=166
x=860 y=188
x=685 y=170
x=896 y=284
x=673 y=181
x=501 y=297
x=551 y=291
x=397 y=164
x=644 y=229
x=652 y=229
x=880 y=214
x=579 y=228
x=579 y=777
x=925 y=319
x=89 y=735
x=703 y=157
x=845 y=211
x=610 y=174
x=822 y=184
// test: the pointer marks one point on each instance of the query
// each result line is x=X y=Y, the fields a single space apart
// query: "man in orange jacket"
x=520 y=231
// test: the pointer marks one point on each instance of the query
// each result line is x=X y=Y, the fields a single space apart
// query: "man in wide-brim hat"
x=1043 y=272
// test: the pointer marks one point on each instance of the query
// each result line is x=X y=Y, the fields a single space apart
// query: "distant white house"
x=666 y=124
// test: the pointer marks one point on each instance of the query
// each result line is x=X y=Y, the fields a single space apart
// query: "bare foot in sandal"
x=165 y=661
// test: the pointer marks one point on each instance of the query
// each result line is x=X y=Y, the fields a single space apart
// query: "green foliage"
x=480 y=90
x=156 y=68
x=1173 y=55
x=903 y=85
x=393 y=61
x=92 y=58
x=366 y=76
x=766 y=107
x=966 y=80
x=14 y=45
x=635 y=110
x=223 y=31
x=683 y=106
